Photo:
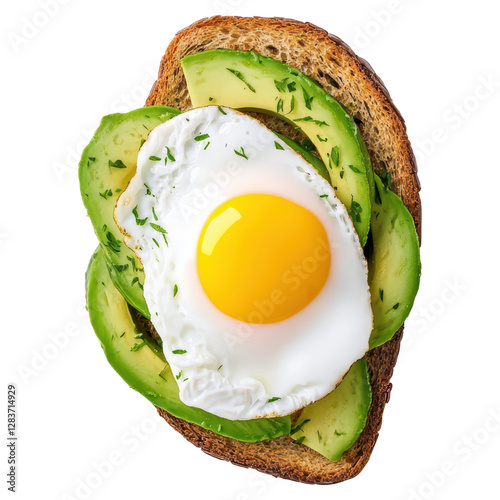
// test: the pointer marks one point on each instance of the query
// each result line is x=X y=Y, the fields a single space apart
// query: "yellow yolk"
x=262 y=258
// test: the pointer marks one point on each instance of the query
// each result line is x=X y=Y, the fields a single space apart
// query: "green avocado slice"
x=106 y=167
x=393 y=257
x=333 y=424
x=250 y=81
x=139 y=360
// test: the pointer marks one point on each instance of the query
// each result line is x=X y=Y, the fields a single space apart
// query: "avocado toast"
x=294 y=55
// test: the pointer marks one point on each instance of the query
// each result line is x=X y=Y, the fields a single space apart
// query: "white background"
x=90 y=58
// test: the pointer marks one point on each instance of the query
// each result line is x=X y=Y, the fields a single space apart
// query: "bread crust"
x=348 y=78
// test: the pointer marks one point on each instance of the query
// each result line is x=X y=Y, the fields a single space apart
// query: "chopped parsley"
x=106 y=194
x=237 y=74
x=219 y=368
x=381 y=294
x=279 y=107
x=241 y=153
x=342 y=173
x=337 y=433
x=90 y=160
x=138 y=221
x=299 y=427
x=132 y=261
x=113 y=244
x=355 y=169
x=154 y=213
x=222 y=111
x=120 y=269
x=335 y=156
x=176 y=289
x=170 y=156
x=154 y=158
x=158 y=228
x=179 y=351
x=278 y=145
x=148 y=190
x=321 y=138
x=272 y=400
x=395 y=306
x=136 y=347
x=310 y=119
x=208 y=144
x=287 y=84
x=307 y=98
x=201 y=137
x=320 y=437
x=117 y=164
x=156 y=243
x=355 y=210
x=323 y=196
x=292 y=104
x=210 y=98
x=179 y=375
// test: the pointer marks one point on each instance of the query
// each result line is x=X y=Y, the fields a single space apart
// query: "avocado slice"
x=106 y=167
x=393 y=257
x=250 y=81
x=139 y=360
x=331 y=425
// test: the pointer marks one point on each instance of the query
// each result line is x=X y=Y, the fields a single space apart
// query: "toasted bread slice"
x=349 y=79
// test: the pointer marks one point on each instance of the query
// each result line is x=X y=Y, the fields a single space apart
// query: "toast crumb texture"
x=352 y=81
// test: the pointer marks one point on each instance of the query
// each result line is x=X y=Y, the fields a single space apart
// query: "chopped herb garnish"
x=323 y=196
x=122 y=334
x=355 y=210
x=307 y=144
x=132 y=261
x=299 y=440
x=90 y=159
x=156 y=243
x=241 y=153
x=279 y=107
x=237 y=74
x=210 y=98
x=136 y=347
x=342 y=172
x=299 y=427
x=319 y=436
x=334 y=156
x=106 y=194
x=139 y=222
x=170 y=156
x=154 y=213
x=278 y=145
x=113 y=244
x=355 y=169
x=272 y=400
x=337 y=433
x=395 y=306
x=148 y=190
x=208 y=144
x=120 y=269
x=219 y=368
x=321 y=138
x=385 y=177
x=307 y=99
x=285 y=84
x=179 y=375
x=118 y=190
x=222 y=111
x=176 y=289
x=179 y=351
x=136 y=280
x=201 y=137
x=158 y=228
x=154 y=158
x=381 y=294
x=310 y=119
x=117 y=164
x=292 y=104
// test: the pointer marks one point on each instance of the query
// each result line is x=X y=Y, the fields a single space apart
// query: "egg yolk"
x=262 y=258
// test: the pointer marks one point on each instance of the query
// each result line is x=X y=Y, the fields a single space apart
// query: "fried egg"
x=254 y=276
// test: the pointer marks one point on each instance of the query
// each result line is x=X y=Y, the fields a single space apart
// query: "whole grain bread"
x=349 y=79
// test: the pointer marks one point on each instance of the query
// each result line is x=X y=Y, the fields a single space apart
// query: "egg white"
x=231 y=368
